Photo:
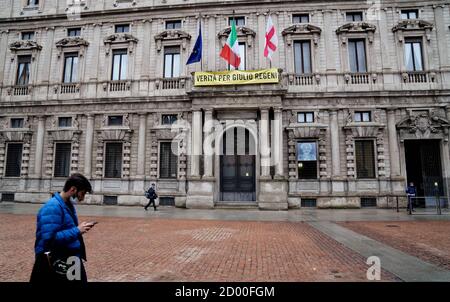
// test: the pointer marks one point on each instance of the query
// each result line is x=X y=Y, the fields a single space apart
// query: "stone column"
x=335 y=150
x=207 y=145
x=196 y=143
x=394 y=153
x=88 y=148
x=264 y=143
x=39 y=147
x=277 y=144
x=141 y=145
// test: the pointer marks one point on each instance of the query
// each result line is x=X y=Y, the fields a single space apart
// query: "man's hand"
x=85 y=226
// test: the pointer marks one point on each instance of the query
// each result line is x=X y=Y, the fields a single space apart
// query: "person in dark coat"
x=59 y=247
x=151 y=195
x=411 y=192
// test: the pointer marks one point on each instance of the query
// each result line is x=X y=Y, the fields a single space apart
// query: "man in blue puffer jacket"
x=59 y=236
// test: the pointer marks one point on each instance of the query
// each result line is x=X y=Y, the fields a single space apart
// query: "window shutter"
x=167 y=161
x=62 y=159
x=365 y=159
x=113 y=160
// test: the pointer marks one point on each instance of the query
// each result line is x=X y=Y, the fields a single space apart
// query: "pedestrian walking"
x=151 y=195
x=411 y=192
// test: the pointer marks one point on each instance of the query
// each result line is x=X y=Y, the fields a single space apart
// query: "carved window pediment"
x=423 y=126
x=172 y=35
x=127 y=40
x=301 y=30
x=356 y=28
x=414 y=26
x=242 y=32
x=24 y=45
x=307 y=131
x=73 y=42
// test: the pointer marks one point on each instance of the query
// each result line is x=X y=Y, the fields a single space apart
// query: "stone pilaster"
x=196 y=143
x=264 y=143
x=88 y=147
x=208 y=148
x=394 y=153
x=335 y=151
x=277 y=143
x=39 y=147
x=141 y=145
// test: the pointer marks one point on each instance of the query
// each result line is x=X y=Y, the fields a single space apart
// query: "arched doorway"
x=237 y=166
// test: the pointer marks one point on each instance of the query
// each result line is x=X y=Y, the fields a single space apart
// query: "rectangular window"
x=307 y=160
x=74 y=32
x=302 y=57
x=32 y=2
x=357 y=55
x=13 y=159
x=242 y=55
x=65 y=122
x=413 y=54
x=115 y=120
x=238 y=21
x=113 y=160
x=410 y=14
x=365 y=159
x=70 y=67
x=29 y=35
x=363 y=116
x=354 y=16
x=167 y=161
x=305 y=117
x=23 y=70
x=173 y=24
x=300 y=18
x=62 y=159
x=120 y=65
x=122 y=28
x=169 y=119
x=17 y=123
x=172 y=62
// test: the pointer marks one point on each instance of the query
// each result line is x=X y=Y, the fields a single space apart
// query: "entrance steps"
x=236 y=205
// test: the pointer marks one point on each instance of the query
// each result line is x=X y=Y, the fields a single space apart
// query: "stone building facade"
x=96 y=86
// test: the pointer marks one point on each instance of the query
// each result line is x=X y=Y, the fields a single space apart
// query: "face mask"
x=74 y=199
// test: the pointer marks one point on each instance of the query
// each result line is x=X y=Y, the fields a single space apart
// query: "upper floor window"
x=238 y=21
x=74 y=32
x=28 y=35
x=17 y=123
x=173 y=24
x=300 y=18
x=32 y=2
x=302 y=57
x=23 y=70
x=357 y=55
x=120 y=65
x=171 y=62
x=70 y=67
x=410 y=14
x=122 y=28
x=168 y=119
x=115 y=120
x=242 y=55
x=413 y=54
x=354 y=16
x=365 y=158
x=65 y=122
x=362 y=116
x=305 y=117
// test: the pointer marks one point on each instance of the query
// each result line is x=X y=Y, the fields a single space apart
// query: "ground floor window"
x=365 y=159
x=13 y=159
x=167 y=161
x=307 y=159
x=113 y=160
x=62 y=159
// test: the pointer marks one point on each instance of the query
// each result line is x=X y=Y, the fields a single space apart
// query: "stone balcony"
x=180 y=86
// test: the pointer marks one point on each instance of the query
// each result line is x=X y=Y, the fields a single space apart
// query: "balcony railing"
x=418 y=77
x=119 y=86
x=357 y=78
x=21 y=90
x=173 y=83
x=70 y=88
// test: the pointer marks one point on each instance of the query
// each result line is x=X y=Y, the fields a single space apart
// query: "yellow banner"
x=236 y=77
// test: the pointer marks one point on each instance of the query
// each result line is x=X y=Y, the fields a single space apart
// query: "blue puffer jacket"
x=56 y=225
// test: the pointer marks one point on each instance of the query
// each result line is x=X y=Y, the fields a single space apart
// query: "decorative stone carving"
x=356 y=28
x=16 y=136
x=25 y=45
x=118 y=135
x=60 y=135
x=423 y=126
x=241 y=31
x=120 y=38
x=172 y=35
x=298 y=30
x=413 y=25
x=76 y=42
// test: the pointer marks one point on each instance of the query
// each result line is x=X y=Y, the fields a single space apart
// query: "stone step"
x=236 y=205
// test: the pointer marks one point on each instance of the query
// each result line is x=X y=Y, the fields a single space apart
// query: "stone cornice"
x=172 y=35
x=302 y=30
x=241 y=31
x=72 y=42
x=356 y=27
x=412 y=24
x=24 y=45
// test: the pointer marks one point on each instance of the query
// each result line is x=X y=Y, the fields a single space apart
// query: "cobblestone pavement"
x=155 y=249
x=426 y=240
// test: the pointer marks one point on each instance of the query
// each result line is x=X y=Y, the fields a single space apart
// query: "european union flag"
x=196 y=54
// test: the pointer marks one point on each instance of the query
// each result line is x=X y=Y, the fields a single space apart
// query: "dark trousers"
x=42 y=273
x=149 y=203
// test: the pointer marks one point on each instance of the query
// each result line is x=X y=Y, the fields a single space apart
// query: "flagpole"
x=200 y=32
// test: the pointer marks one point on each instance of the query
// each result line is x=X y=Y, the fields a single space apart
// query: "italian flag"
x=230 y=51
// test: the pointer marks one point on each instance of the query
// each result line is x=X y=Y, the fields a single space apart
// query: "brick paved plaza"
x=130 y=249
